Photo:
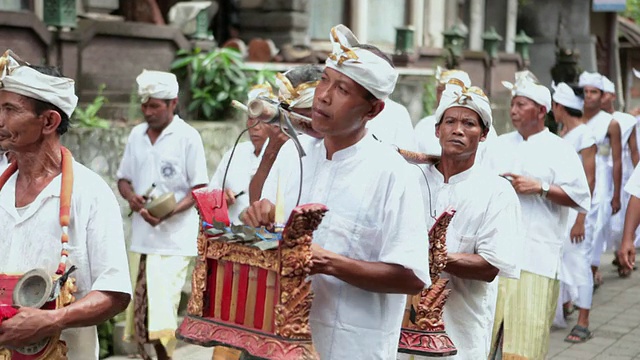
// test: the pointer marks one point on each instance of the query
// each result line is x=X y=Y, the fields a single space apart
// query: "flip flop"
x=582 y=333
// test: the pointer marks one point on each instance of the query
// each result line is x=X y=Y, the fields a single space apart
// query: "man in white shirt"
x=629 y=158
x=483 y=237
x=548 y=176
x=627 y=252
x=55 y=213
x=606 y=195
x=371 y=247
x=393 y=126
x=166 y=153
x=4 y=158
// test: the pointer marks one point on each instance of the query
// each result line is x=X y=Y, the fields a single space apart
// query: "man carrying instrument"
x=371 y=248
x=548 y=177
x=482 y=238
x=166 y=154
x=55 y=213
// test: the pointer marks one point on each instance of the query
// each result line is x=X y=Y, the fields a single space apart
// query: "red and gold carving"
x=425 y=333
x=242 y=254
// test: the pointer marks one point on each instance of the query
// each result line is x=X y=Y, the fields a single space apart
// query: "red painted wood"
x=261 y=295
x=210 y=293
x=243 y=285
x=226 y=291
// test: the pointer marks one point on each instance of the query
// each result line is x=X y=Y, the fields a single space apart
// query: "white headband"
x=608 y=85
x=444 y=75
x=362 y=66
x=527 y=86
x=456 y=94
x=17 y=77
x=300 y=97
x=591 y=79
x=157 y=84
x=564 y=95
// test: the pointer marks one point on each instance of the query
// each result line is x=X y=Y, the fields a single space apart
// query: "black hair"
x=304 y=73
x=572 y=112
x=40 y=106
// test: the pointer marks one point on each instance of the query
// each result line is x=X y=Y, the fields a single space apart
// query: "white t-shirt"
x=487 y=223
x=243 y=166
x=4 y=160
x=375 y=214
x=599 y=126
x=633 y=185
x=175 y=163
x=96 y=243
x=549 y=158
x=393 y=126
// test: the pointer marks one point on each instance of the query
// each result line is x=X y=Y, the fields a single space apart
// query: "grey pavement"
x=614 y=320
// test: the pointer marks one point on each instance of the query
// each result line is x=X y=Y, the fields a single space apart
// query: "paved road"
x=615 y=321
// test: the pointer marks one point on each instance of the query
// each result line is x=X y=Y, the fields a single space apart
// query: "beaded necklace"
x=66 y=187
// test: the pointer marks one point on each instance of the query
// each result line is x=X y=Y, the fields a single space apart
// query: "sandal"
x=582 y=333
x=568 y=310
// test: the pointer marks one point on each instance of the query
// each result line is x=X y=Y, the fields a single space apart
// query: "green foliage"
x=88 y=117
x=633 y=10
x=105 y=338
x=215 y=79
x=429 y=97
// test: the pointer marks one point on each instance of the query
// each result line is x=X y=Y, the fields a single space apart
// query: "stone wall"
x=283 y=21
x=101 y=150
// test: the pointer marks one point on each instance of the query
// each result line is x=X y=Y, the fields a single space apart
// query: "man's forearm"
x=375 y=276
x=617 y=178
x=187 y=202
x=560 y=197
x=125 y=188
x=93 y=309
x=631 y=220
x=470 y=266
x=258 y=179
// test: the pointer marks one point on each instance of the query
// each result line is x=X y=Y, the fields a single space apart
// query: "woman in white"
x=575 y=273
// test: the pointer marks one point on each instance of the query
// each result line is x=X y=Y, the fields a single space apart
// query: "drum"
x=251 y=299
x=37 y=289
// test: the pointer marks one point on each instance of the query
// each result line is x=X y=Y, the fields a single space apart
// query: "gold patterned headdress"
x=364 y=67
x=300 y=96
x=456 y=94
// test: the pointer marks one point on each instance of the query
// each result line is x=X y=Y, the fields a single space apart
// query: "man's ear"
x=485 y=132
x=376 y=108
x=51 y=120
x=438 y=129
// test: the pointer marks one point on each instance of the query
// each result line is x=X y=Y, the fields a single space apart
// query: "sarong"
x=524 y=313
x=154 y=314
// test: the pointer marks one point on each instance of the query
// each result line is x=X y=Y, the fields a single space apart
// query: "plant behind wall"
x=215 y=79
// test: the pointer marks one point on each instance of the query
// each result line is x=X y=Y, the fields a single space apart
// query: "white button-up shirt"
x=393 y=126
x=487 y=223
x=4 y=160
x=633 y=185
x=96 y=243
x=548 y=158
x=243 y=166
x=375 y=214
x=599 y=126
x=175 y=163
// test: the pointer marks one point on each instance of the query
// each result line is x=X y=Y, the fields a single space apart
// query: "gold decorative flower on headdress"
x=288 y=93
x=341 y=52
x=465 y=93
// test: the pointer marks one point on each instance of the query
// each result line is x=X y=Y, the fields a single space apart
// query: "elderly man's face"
x=158 y=113
x=20 y=127
x=258 y=132
x=525 y=114
x=460 y=131
x=592 y=97
x=341 y=106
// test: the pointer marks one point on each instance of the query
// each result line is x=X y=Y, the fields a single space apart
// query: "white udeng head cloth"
x=565 y=96
x=157 y=84
x=607 y=85
x=443 y=76
x=362 y=66
x=300 y=97
x=455 y=94
x=526 y=85
x=591 y=79
x=17 y=77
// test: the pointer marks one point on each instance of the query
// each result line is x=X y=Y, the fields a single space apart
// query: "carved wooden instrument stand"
x=250 y=299
x=423 y=331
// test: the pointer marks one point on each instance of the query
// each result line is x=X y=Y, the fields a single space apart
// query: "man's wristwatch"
x=544 y=189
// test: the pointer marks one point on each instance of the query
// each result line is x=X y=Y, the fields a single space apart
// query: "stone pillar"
x=434 y=24
x=359 y=15
x=476 y=24
x=417 y=21
x=451 y=13
x=512 y=21
x=283 y=21
x=541 y=20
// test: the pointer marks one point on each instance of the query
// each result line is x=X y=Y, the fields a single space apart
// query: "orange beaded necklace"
x=66 y=188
